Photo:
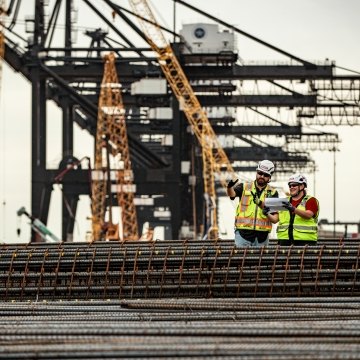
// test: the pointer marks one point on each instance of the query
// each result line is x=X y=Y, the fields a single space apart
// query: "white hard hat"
x=266 y=167
x=298 y=178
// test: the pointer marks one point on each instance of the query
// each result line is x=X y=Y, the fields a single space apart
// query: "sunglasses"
x=293 y=185
x=260 y=173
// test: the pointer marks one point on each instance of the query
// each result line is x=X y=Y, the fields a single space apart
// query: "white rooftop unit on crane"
x=207 y=38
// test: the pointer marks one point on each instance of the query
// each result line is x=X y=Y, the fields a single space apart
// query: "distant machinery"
x=112 y=144
x=214 y=158
x=43 y=232
x=256 y=110
x=205 y=38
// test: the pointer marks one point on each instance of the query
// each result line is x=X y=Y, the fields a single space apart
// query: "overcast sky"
x=314 y=30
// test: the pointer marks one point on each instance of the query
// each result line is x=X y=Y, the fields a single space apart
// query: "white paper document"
x=276 y=204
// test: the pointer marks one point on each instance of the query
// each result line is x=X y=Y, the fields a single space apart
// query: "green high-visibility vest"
x=303 y=229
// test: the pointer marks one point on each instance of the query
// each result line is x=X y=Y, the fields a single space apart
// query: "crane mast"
x=111 y=139
x=214 y=157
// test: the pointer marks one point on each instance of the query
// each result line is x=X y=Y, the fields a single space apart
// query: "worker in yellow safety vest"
x=298 y=223
x=253 y=221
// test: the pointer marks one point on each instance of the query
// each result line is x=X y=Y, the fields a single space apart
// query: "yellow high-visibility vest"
x=249 y=216
x=303 y=229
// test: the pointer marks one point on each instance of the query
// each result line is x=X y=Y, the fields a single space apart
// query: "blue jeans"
x=240 y=241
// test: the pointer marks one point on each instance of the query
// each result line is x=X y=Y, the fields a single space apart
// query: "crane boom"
x=111 y=139
x=214 y=157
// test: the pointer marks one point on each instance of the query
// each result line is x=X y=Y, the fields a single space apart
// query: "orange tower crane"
x=112 y=144
x=215 y=160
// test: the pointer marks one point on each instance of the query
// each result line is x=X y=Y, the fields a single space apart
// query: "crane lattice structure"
x=111 y=138
x=213 y=156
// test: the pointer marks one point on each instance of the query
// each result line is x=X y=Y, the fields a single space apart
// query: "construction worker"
x=298 y=223
x=253 y=221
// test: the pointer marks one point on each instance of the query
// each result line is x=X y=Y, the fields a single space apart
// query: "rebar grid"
x=257 y=329
x=188 y=300
x=177 y=269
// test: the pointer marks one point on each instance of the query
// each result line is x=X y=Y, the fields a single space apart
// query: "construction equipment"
x=39 y=227
x=111 y=139
x=214 y=158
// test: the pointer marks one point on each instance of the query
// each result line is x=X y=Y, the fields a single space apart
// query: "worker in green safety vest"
x=298 y=223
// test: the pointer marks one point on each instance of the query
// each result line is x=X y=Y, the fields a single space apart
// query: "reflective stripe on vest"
x=245 y=199
x=250 y=222
x=298 y=227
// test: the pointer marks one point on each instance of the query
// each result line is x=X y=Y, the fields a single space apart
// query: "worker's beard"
x=261 y=182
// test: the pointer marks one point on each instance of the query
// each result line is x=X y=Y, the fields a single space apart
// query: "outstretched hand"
x=231 y=183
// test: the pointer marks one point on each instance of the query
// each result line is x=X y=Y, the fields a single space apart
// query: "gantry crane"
x=214 y=157
x=111 y=139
